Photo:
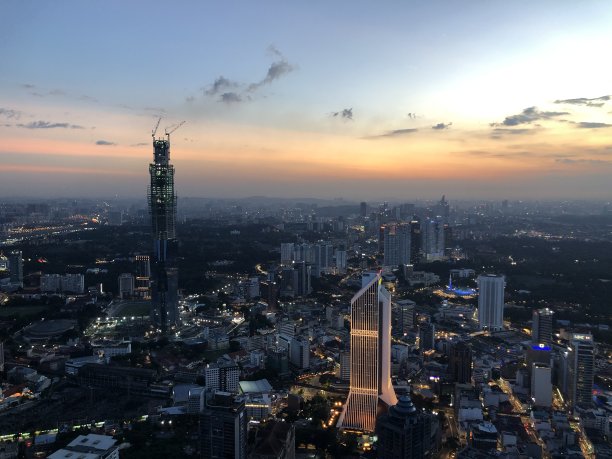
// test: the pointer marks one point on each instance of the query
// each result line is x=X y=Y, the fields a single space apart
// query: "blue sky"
x=400 y=67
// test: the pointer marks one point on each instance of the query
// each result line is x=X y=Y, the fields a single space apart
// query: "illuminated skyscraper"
x=162 y=207
x=581 y=371
x=371 y=391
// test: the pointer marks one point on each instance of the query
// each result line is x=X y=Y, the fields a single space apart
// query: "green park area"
x=20 y=311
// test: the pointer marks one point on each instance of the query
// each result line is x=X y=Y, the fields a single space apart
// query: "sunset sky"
x=353 y=99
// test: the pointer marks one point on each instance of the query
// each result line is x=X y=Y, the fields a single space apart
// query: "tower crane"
x=170 y=129
x=154 y=131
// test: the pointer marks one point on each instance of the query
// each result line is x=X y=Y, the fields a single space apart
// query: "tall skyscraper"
x=581 y=371
x=404 y=432
x=143 y=276
x=415 y=241
x=286 y=250
x=541 y=328
x=370 y=376
x=223 y=428
x=162 y=208
x=363 y=209
x=460 y=363
x=396 y=244
x=491 y=302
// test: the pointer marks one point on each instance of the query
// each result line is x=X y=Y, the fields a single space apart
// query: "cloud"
x=10 y=113
x=441 y=126
x=345 y=114
x=592 y=162
x=394 y=133
x=594 y=102
x=28 y=86
x=88 y=98
x=140 y=144
x=527 y=116
x=189 y=99
x=219 y=85
x=49 y=125
x=275 y=71
x=498 y=133
x=230 y=98
x=105 y=143
x=590 y=125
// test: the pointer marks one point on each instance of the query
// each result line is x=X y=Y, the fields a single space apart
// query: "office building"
x=299 y=353
x=541 y=385
x=491 y=302
x=416 y=241
x=162 y=209
x=541 y=328
x=460 y=363
x=126 y=285
x=345 y=366
x=323 y=258
x=363 y=209
x=66 y=283
x=404 y=432
x=341 y=261
x=370 y=380
x=15 y=262
x=427 y=336
x=90 y=446
x=581 y=371
x=223 y=427
x=396 y=244
x=223 y=377
x=405 y=317
x=143 y=277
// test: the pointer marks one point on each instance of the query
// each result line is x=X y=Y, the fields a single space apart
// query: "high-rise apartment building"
x=396 y=244
x=126 y=285
x=162 y=208
x=432 y=239
x=405 y=317
x=286 y=253
x=404 y=432
x=581 y=371
x=491 y=302
x=370 y=354
x=541 y=328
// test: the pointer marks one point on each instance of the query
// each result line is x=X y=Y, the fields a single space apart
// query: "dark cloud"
x=275 y=71
x=49 y=125
x=28 y=86
x=230 y=98
x=10 y=113
x=527 y=116
x=88 y=98
x=346 y=114
x=141 y=144
x=589 y=125
x=412 y=116
x=189 y=99
x=394 y=133
x=220 y=85
x=594 y=102
x=441 y=126
x=592 y=162
x=105 y=143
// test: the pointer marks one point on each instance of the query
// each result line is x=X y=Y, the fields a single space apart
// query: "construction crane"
x=170 y=129
x=154 y=131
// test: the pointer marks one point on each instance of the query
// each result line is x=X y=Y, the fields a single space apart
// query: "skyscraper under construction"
x=162 y=207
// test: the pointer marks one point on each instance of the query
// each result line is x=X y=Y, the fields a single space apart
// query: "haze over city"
x=354 y=100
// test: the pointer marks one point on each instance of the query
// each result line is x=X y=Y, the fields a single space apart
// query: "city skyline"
x=367 y=102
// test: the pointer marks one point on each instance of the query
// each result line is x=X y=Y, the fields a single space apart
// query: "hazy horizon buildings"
x=370 y=355
x=491 y=302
